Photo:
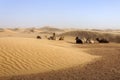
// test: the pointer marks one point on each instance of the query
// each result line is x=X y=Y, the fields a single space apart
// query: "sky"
x=88 y=14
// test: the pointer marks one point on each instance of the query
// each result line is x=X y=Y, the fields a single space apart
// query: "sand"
x=19 y=56
x=23 y=57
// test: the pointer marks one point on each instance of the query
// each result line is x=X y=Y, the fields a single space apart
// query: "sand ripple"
x=25 y=56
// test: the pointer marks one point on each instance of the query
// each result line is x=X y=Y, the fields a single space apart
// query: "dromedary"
x=78 y=40
x=84 y=40
x=103 y=40
x=38 y=37
x=52 y=37
x=91 y=41
x=61 y=38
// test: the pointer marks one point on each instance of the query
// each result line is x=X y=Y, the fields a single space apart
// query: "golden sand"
x=27 y=55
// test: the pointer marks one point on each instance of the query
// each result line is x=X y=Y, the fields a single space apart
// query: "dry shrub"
x=1 y=30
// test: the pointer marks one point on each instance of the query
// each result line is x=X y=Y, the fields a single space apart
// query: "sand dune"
x=26 y=55
x=8 y=31
x=23 y=57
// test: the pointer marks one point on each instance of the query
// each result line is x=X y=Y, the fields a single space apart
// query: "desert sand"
x=23 y=57
x=26 y=55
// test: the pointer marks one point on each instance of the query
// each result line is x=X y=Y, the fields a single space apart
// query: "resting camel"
x=78 y=41
x=90 y=41
x=39 y=37
x=61 y=38
x=52 y=37
x=103 y=40
x=84 y=40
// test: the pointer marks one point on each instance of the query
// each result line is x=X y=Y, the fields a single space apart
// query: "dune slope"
x=20 y=56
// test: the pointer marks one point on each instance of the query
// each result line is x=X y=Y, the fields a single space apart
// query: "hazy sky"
x=60 y=13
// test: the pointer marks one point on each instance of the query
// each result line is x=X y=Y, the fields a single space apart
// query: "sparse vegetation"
x=1 y=30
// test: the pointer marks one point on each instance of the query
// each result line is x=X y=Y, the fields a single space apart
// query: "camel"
x=52 y=37
x=103 y=40
x=61 y=38
x=39 y=37
x=84 y=40
x=78 y=41
x=90 y=41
